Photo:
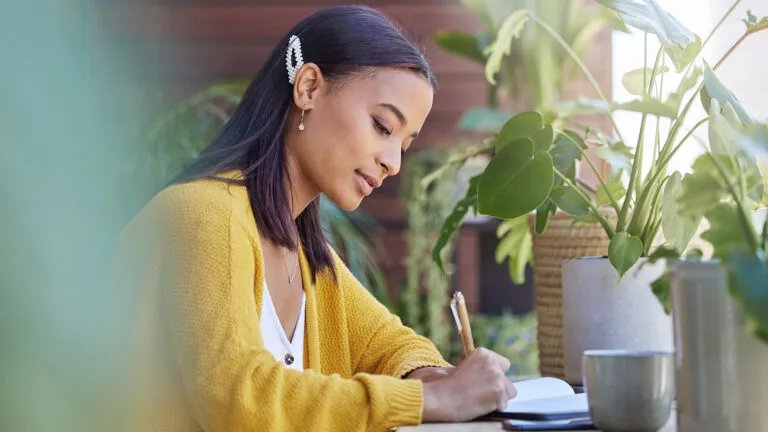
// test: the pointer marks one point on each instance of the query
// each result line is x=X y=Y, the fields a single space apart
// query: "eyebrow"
x=399 y=114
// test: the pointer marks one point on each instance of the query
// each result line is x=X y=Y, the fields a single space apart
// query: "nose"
x=389 y=161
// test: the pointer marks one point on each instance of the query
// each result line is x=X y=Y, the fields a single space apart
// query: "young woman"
x=249 y=320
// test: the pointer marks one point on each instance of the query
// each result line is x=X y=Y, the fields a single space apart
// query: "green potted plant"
x=533 y=169
x=533 y=75
x=721 y=305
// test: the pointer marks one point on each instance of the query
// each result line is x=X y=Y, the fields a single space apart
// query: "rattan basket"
x=560 y=241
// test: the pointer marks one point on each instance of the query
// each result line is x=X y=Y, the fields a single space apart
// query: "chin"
x=346 y=201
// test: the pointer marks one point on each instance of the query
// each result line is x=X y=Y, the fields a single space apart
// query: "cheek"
x=342 y=139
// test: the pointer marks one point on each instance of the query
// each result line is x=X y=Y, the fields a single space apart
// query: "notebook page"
x=539 y=388
x=573 y=403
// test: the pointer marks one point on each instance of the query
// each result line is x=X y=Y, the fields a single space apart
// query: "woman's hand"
x=429 y=374
x=477 y=386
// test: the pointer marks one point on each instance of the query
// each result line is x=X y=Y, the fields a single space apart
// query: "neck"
x=300 y=191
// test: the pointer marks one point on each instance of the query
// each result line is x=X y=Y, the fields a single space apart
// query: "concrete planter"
x=601 y=312
x=721 y=368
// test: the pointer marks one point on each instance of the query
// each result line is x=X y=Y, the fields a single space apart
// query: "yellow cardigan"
x=199 y=360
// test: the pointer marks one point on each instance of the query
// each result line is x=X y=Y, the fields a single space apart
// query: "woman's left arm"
x=379 y=342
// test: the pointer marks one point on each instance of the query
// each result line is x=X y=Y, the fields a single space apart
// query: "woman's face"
x=356 y=132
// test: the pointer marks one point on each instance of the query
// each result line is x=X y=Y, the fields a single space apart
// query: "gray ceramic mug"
x=629 y=390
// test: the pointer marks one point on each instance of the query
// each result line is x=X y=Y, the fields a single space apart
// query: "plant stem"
x=719 y=23
x=614 y=203
x=637 y=163
x=730 y=50
x=581 y=66
x=600 y=218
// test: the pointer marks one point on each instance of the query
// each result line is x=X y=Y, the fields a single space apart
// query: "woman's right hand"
x=477 y=386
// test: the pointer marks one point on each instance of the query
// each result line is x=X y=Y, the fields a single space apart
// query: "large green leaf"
x=681 y=44
x=725 y=232
x=522 y=125
x=624 y=251
x=754 y=140
x=724 y=129
x=755 y=25
x=717 y=90
x=647 y=105
x=636 y=81
x=677 y=228
x=483 y=119
x=616 y=190
x=516 y=181
x=569 y=201
x=702 y=191
x=517 y=245
x=511 y=29
x=453 y=221
x=542 y=139
x=460 y=43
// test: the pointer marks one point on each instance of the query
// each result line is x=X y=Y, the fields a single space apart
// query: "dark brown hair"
x=341 y=40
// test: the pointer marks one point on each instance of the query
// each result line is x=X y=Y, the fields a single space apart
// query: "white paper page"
x=574 y=403
x=539 y=388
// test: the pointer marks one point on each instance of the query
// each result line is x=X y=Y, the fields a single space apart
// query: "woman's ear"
x=309 y=80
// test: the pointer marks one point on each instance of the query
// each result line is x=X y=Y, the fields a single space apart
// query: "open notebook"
x=545 y=399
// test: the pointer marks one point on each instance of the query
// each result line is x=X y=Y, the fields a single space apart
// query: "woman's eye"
x=380 y=128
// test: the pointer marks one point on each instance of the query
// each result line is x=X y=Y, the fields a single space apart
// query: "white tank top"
x=288 y=352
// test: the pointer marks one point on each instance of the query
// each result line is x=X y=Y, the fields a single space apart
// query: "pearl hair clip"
x=294 y=48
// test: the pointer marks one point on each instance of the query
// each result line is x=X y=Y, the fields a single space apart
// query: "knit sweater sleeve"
x=379 y=342
x=231 y=382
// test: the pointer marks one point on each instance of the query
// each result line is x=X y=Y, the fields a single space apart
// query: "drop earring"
x=301 y=122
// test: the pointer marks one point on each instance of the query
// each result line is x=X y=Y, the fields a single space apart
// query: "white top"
x=288 y=352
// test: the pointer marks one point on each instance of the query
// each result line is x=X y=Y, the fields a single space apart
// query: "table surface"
x=491 y=427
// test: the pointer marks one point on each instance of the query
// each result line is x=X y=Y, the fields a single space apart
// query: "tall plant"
x=171 y=136
x=533 y=162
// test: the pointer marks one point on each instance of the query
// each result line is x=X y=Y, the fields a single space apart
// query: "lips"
x=366 y=183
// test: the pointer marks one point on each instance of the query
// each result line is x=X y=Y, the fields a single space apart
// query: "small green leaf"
x=677 y=228
x=586 y=219
x=511 y=29
x=687 y=83
x=717 y=90
x=483 y=119
x=616 y=189
x=517 y=245
x=725 y=232
x=618 y=155
x=660 y=288
x=624 y=251
x=453 y=221
x=523 y=125
x=569 y=201
x=543 y=139
x=723 y=129
x=565 y=152
x=754 y=140
x=516 y=181
x=546 y=209
x=636 y=81
x=753 y=25
x=647 y=105
x=460 y=43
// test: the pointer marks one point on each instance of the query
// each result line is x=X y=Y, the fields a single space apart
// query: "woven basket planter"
x=560 y=241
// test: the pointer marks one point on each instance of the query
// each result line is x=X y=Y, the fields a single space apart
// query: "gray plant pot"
x=722 y=369
x=602 y=312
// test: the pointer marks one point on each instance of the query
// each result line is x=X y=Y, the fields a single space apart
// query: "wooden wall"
x=189 y=43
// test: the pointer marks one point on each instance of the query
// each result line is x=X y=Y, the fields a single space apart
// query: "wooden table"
x=492 y=427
